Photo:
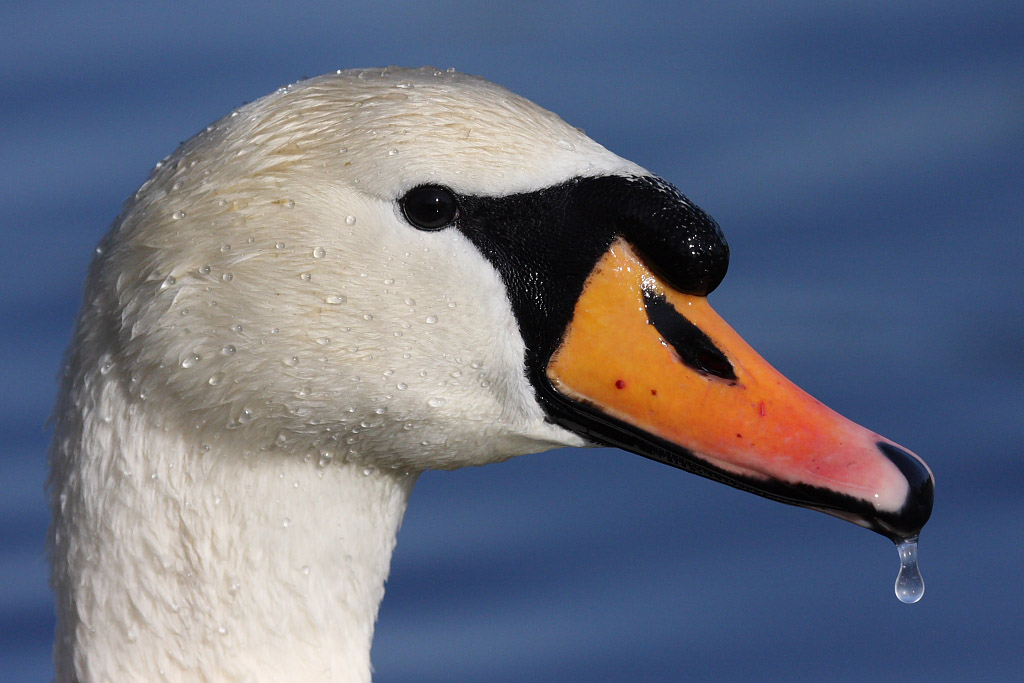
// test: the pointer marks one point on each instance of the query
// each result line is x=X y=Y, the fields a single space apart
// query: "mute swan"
x=352 y=280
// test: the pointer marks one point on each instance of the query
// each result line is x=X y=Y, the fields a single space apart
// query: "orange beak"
x=665 y=374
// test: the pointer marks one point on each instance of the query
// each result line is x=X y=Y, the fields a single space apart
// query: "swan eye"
x=430 y=207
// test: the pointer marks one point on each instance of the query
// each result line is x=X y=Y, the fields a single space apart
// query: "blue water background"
x=866 y=161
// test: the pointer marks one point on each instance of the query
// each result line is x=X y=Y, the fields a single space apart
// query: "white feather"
x=266 y=358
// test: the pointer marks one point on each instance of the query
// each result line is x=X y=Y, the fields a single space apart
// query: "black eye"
x=430 y=207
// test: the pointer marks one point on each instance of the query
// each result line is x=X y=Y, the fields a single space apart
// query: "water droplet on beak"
x=909 y=583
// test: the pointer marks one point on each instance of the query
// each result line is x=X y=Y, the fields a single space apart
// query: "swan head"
x=416 y=269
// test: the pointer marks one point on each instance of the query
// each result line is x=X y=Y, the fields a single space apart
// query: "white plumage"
x=267 y=356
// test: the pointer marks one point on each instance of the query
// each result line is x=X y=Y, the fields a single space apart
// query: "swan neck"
x=176 y=559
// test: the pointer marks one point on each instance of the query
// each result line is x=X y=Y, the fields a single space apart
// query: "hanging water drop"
x=909 y=583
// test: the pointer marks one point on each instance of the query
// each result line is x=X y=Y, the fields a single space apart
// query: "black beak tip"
x=908 y=521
